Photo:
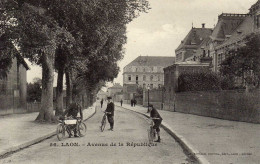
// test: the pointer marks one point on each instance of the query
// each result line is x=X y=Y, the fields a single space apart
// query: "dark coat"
x=73 y=111
x=110 y=108
x=154 y=114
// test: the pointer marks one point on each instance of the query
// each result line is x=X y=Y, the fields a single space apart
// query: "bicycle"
x=103 y=121
x=151 y=131
x=69 y=125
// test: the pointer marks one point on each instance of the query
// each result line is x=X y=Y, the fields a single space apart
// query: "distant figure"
x=134 y=102
x=131 y=102
x=101 y=102
x=121 y=102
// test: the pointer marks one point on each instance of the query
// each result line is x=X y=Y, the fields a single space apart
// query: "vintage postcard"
x=129 y=81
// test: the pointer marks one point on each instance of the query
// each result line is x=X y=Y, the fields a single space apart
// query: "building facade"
x=13 y=88
x=191 y=43
x=146 y=71
x=102 y=95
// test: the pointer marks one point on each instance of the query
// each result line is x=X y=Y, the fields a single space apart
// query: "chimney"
x=203 y=25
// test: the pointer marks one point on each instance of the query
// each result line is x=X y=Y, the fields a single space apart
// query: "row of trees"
x=81 y=39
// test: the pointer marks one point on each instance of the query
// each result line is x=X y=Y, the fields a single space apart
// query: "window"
x=129 y=77
x=258 y=21
x=151 y=86
x=151 y=77
x=136 y=69
x=220 y=58
x=204 y=53
x=159 y=78
x=143 y=69
x=144 y=78
x=144 y=86
x=136 y=78
x=151 y=68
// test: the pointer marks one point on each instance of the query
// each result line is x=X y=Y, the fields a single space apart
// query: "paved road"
x=129 y=128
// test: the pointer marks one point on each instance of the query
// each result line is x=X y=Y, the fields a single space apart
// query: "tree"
x=34 y=90
x=47 y=30
x=244 y=62
x=37 y=36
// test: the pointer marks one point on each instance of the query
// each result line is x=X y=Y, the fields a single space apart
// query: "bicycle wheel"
x=103 y=124
x=151 y=135
x=82 y=129
x=60 y=132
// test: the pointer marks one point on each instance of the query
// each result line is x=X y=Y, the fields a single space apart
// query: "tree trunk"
x=59 y=92
x=46 y=111
x=68 y=88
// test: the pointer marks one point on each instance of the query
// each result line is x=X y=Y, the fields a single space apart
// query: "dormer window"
x=227 y=36
x=239 y=31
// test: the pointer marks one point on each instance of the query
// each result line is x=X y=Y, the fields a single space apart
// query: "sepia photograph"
x=129 y=81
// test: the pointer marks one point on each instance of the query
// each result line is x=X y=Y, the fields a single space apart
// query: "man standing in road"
x=121 y=102
x=157 y=119
x=110 y=112
x=101 y=102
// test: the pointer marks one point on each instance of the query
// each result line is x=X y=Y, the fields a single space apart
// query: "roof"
x=244 y=29
x=188 y=64
x=152 y=61
x=227 y=23
x=116 y=86
x=194 y=38
x=254 y=7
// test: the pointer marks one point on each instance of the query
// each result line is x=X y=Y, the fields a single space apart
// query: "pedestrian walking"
x=121 y=102
x=101 y=102
x=110 y=115
x=131 y=102
x=134 y=101
x=157 y=119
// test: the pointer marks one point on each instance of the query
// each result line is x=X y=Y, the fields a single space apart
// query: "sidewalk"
x=216 y=140
x=20 y=130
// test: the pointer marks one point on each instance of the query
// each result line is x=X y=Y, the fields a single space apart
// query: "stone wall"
x=156 y=98
x=234 y=105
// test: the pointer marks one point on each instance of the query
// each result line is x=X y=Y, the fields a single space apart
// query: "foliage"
x=85 y=36
x=244 y=62
x=139 y=92
x=198 y=81
x=34 y=90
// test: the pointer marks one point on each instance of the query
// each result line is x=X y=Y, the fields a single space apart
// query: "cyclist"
x=157 y=119
x=72 y=111
x=110 y=112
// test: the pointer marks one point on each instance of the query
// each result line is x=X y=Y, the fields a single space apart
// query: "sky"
x=160 y=31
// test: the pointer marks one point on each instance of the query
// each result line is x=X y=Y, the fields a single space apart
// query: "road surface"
x=128 y=143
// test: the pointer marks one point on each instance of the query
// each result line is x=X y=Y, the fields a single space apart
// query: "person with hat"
x=110 y=112
x=72 y=111
x=157 y=119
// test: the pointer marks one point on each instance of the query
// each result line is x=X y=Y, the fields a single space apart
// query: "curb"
x=180 y=139
x=37 y=140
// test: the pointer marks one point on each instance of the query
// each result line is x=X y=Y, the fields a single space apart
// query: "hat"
x=109 y=97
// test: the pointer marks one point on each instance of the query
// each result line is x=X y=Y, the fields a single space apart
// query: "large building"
x=146 y=71
x=191 y=43
x=229 y=33
x=13 y=88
